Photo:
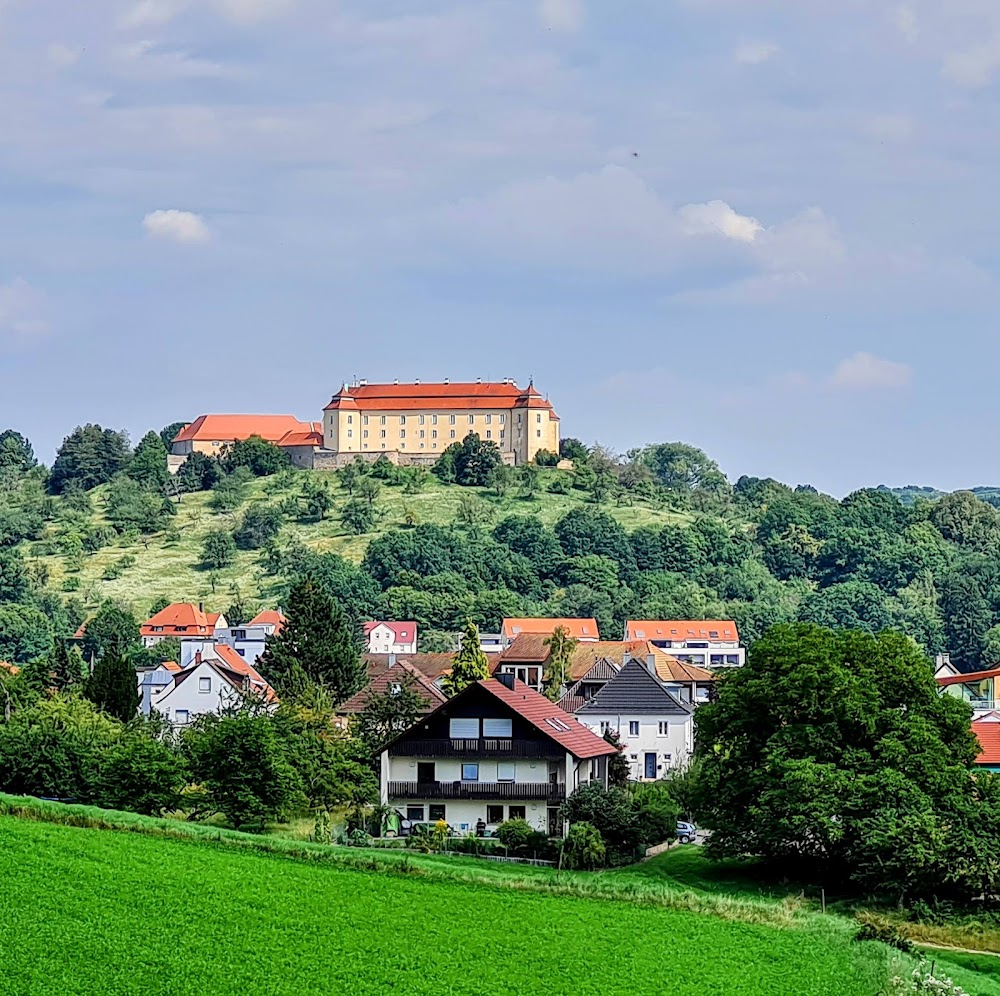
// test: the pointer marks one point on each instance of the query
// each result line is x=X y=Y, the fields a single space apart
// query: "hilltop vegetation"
x=658 y=533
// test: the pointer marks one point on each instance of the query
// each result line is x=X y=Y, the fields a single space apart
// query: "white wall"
x=404 y=769
x=462 y=815
x=382 y=640
x=188 y=696
x=677 y=742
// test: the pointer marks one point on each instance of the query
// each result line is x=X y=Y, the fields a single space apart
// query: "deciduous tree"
x=470 y=665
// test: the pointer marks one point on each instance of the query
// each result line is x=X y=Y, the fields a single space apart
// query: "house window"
x=664 y=729
x=241 y=651
x=181 y=716
x=498 y=727
x=436 y=812
x=451 y=420
x=605 y=726
x=494 y=814
x=516 y=812
x=505 y=771
x=633 y=728
x=239 y=634
x=470 y=772
x=415 y=814
x=204 y=685
x=463 y=729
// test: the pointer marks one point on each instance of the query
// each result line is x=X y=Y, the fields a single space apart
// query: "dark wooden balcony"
x=492 y=791
x=477 y=747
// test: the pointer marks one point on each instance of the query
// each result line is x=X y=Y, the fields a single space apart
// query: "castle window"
x=434 y=420
x=434 y=435
x=421 y=419
x=364 y=419
x=489 y=418
x=402 y=434
x=472 y=420
x=382 y=420
x=503 y=418
x=538 y=417
x=451 y=419
x=452 y=434
x=364 y=432
x=350 y=432
x=489 y=434
x=538 y=433
x=402 y=420
x=422 y=433
x=350 y=419
x=501 y=433
x=383 y=435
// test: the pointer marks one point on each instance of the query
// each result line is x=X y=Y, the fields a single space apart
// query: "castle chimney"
x=417 y=381
x=479 y=380
x=447 y=380
x=396 y=382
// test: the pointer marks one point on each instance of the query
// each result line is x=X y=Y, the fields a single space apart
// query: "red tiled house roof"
x=183 y=619
x=269 y=617
x=431 y=666
x=437 y=397
x=392 y=674
x=681 y=629
x=578 y=629
x=224 y=428
x=403 y=631
x=988 y=735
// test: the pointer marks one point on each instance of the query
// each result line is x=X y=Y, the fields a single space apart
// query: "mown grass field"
x=87 y=912
x=171 y=569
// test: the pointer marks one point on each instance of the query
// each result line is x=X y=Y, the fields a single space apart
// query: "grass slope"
x=113 y=913
x=171 y=570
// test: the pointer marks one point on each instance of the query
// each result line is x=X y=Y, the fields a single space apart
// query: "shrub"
x=873 y=927
x=614 y=814
x=514 y=834
x=219 y=549
x=583 y=847
x=140 y=774
x=546 y=458
x=260 y=524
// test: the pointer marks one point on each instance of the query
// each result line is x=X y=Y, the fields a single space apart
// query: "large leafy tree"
x=113 y=687
x=834 y=750
x=149 y=464
x=114 y=629
x=469 y=463
x=16 y=451
x=470 y=664
x=25 y=633
x=681 y=467
x=320 y=644
x=14 y=581
x=258 y=455
x=168 y=432
x=89 y=455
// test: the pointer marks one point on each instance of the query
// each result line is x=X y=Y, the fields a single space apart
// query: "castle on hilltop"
x=409 y=424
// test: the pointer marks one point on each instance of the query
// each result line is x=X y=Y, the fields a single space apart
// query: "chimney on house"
x=197 y=657
x=201 y=606
x=507 y=680
x=626 y=657
x=651 y=664
x=392 y=660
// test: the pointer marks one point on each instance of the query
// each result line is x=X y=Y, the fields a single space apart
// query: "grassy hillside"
x=135 y=913
x=167 y=564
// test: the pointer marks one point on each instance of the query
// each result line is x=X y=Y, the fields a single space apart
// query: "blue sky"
x=765 y=227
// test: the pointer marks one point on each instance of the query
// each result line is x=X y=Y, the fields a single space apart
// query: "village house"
x=655 y=729
x=496 y=751
x=987 y=730
x=981 y=689
x=708 y=643
x=391 y=637
x=391 y=679
x=581 y=630
x=207 y=685
x=181 y=621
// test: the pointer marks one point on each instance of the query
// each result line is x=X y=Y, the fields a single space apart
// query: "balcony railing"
x=476 y=746
x=498 y=791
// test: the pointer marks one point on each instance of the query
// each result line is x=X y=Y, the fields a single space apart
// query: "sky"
x=763 y=227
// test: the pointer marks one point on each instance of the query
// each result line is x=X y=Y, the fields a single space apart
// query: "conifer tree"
x=113 y=687
x=470 y=665
x=65 y=665
x=149 y=465
x=319 y=644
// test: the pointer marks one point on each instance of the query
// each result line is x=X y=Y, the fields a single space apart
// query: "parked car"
x=686 y=832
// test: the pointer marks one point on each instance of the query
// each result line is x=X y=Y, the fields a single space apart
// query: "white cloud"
x=252 y=11
x=973 y=67
x=152 y=61
x=150 y=13
x=563 y=15
x=719 y=218
x=865 y=372
x=176 y=226
x=20 y=311
x=754 y=53
x=905 y=19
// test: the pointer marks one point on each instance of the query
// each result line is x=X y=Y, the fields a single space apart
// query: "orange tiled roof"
x=578 y=629
x=988 y=735
x=180 y=619
x=423 y=686
x=437 y=397
x=269 y=617
x=225 y=428
x=404 y=632
x=681 y=629
x=13 y=668
x=301 y=437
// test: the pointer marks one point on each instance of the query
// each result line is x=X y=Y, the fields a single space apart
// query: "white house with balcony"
x=655 y=728
x=496 y=751
x=706 y=643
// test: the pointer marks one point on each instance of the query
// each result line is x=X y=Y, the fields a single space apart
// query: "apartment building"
x=707 y=643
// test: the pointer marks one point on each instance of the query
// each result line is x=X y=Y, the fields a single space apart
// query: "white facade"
x=651 y=744
x=181 y=696
x=248 y=641
x=384 y=639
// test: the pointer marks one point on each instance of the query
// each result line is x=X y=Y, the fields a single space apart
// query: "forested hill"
x=659 y=534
